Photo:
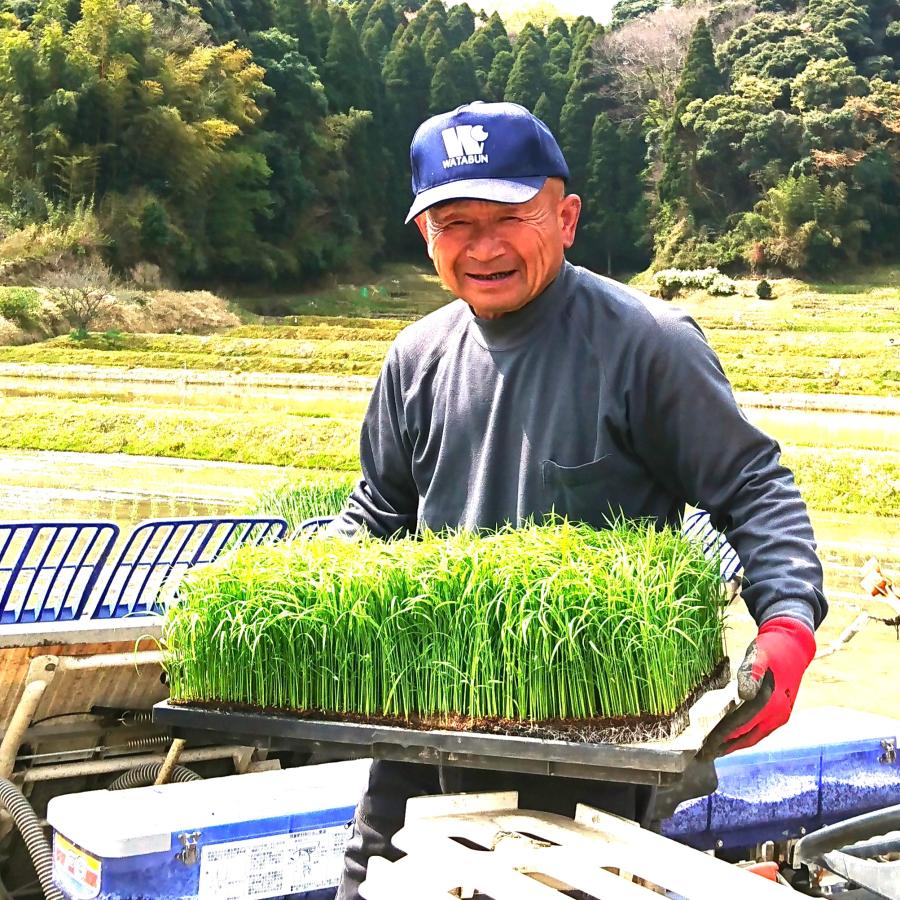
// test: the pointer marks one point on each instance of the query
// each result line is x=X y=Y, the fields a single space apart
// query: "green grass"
x=404 y=290
x=528 y=624
x=833 y=338
x=298 y=429
x=216 y=352
x=817 y=337
x=847 y=481
x=317 y=443
x=811 y=338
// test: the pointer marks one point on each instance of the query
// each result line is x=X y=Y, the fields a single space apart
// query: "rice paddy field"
x=811 y=338
x=182 y=424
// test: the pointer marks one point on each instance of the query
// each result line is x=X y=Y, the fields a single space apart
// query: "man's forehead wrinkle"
x=452 y=207
x=444 y=212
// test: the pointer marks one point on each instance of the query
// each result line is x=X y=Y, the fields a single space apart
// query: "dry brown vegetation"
x=170 y=312
x=55 y=309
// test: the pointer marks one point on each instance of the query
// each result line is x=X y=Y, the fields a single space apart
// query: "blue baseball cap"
x=482 y=151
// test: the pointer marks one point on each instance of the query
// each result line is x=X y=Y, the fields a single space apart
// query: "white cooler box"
x=242 y=837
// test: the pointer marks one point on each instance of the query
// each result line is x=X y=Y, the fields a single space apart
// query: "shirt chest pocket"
x=587 y=493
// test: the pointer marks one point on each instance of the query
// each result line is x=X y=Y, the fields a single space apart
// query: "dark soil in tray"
x=597 y=730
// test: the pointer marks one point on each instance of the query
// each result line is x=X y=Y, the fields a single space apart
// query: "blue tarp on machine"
x=824 y=766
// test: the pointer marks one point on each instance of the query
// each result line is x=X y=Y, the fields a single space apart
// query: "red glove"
x=784 y=647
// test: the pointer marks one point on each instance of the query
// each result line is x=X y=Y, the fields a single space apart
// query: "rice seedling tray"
x=658 y=762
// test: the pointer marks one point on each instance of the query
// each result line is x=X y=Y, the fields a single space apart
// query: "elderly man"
x=547 y=387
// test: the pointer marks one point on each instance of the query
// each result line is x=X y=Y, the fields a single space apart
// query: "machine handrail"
x=162 y=550
x=698 y=526
x=41 y=564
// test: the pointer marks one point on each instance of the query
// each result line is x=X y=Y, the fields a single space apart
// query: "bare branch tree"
x=82 y=294
x=646 y=55
x=176 y=27
x=724 y=18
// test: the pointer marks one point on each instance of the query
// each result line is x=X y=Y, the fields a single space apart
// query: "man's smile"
x=492 y=276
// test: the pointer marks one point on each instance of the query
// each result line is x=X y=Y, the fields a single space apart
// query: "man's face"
x=500 y=256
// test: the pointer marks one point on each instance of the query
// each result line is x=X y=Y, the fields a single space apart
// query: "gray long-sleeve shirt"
x=592 y=398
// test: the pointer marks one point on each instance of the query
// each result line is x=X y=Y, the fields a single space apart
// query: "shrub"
x=112 y=340
x=670 y=281
x=756 y=255
x=167 y=312
x=9 y=333
x=680 y=244
x=764 y=290
x=70 y=235
x=802 y=226
x=20 y=305
x=146 y=276
x=722 y=286
x=51 y=321
x=83 y=294
x=191 y=312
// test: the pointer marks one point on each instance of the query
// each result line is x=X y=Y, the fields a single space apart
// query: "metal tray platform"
x=656 y=763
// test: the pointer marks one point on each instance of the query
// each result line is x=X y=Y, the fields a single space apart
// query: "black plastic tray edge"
x=259 y=725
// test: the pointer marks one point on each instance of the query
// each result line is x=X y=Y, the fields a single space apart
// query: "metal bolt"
x=802 y=830
x=720 y=844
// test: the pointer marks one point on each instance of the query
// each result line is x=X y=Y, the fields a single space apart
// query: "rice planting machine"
x=199 y=803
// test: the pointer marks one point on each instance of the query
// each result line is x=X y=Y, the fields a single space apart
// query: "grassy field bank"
x=813 y=338
x=836 y=470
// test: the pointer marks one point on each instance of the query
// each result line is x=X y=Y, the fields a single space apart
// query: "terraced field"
x=812 y=339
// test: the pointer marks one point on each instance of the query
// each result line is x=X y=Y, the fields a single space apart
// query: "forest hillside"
x=266 y=141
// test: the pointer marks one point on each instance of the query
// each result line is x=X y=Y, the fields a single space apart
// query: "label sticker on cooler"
x=273 y=866
x=76 y=872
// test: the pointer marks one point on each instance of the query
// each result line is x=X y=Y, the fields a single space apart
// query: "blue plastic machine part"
x=795 y=781
x=259 y=836
x=61 y=571
x=48 y=569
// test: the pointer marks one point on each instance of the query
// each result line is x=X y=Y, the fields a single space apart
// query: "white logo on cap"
x=464 y=145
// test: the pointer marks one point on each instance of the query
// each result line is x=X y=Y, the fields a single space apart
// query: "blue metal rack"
x=698 y=526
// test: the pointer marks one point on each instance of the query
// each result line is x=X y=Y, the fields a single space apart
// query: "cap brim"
x=497 y=189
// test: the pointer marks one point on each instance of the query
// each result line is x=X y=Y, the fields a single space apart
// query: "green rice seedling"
x=296 y=501
x=537 y=624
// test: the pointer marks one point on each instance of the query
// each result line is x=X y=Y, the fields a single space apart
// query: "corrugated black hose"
x=144 y=776
x=26 y=820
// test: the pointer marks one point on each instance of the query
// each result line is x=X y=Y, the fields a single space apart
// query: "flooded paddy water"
x=51 y=485
x=126 y=489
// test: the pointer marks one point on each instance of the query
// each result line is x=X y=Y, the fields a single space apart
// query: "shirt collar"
x=515 y=328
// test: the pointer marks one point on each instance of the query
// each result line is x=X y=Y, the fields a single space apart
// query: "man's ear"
x=421 y=221
x=569 y=211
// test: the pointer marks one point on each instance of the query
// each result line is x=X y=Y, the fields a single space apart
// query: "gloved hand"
x=783 y=647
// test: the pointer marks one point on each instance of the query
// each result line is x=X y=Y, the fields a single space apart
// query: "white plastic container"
x=242 y=837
